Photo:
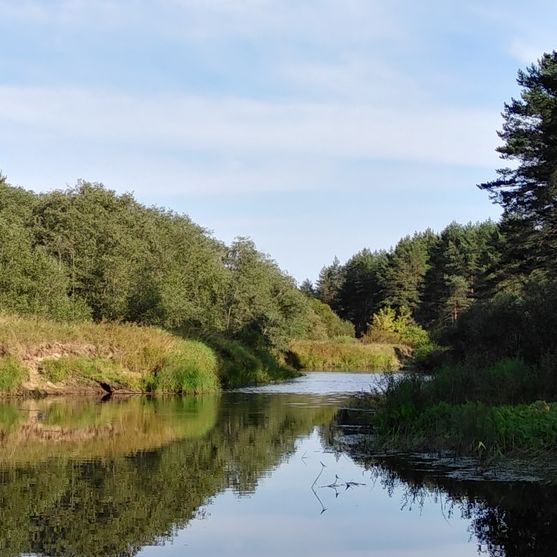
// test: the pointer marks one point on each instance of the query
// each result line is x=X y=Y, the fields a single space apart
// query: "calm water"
x=255 y=472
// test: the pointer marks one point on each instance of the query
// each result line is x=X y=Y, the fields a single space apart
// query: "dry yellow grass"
x=343 y=356
x=54 y=356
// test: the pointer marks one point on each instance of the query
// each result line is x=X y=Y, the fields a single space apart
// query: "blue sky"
x=316 y=127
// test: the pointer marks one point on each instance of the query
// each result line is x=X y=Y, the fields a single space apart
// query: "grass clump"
x=476 y=427
x=12 y=374
x=180 y=372
x=344 y=356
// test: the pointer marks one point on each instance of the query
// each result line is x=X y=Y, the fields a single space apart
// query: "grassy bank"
x=476 y=427
x=44 y=356
x=350 y=355
x=469 y=409
x=241 y=366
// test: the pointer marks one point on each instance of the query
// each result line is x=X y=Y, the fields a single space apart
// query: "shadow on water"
x=87 y=478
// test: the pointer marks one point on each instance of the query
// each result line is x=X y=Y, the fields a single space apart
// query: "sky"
x=315 y=127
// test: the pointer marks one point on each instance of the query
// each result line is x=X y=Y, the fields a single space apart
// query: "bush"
x=398 y=327
x=12 y=374
x=240 y=365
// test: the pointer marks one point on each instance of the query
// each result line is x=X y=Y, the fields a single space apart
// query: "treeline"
x=86 y=253
x=495 y=388
x=487 y=290
x=434 y=277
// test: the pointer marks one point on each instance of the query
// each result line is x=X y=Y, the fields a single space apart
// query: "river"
x=264 y=471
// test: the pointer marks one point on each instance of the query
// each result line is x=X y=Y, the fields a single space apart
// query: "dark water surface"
x=256 y=472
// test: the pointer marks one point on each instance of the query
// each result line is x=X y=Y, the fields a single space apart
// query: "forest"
x=86 y=254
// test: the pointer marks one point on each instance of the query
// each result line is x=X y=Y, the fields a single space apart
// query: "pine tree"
x=528 y=190
x=329 y=284
x=407 y=266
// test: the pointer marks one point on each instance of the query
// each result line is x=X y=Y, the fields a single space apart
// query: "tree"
x=459 y=263
x=308 y=289
x=527 y=191
x=406 y=269
x=329 y=284
x=361 y=292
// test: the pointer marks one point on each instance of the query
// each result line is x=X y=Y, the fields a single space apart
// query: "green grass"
x=46 y=356
x=493 y=410
x=476 y=427
x=180 y=371
x=43 y=355
x=344 y=356
x=12 y=374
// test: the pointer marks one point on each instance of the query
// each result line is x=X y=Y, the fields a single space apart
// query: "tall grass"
x=467 y=408
x=344 y=356
x=12 y=374
x=476 y=427
x=38 y=354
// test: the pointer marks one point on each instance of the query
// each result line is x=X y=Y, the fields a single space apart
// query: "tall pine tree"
x=527 y=191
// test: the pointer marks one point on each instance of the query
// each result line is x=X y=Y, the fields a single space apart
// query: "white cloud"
x=238 y=127
x=308 y=20
x=352 y=79
x=528 y=52
x=525 y=27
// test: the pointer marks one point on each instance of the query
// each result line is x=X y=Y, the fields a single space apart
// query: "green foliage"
x=87 y=252
x=435 y=277
x=322 y=323
x=79 y=357
x=329 y=284
x=463 y=405
x=361 y=292
x=404 y=276
x=396 y=326
x=12 y=374
x=262 y=307
x=475 y=427
x=510 y=324
x=191 y=369
x=459 y=264
x=31 y=281
x=241 y=365
x=527 y=190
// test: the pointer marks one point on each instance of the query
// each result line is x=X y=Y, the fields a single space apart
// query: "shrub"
x=398 y=327
x=12 y=374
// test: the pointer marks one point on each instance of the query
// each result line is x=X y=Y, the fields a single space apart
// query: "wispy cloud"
x=240 y=127
x=357 y=20
x=524 y=27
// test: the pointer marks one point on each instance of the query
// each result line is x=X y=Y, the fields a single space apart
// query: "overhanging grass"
x=476 y=427
x=241 y=366
x=40 y=354
x=344 y=356
x=470 y=409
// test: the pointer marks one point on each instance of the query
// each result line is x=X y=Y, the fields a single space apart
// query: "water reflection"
x=247 y=473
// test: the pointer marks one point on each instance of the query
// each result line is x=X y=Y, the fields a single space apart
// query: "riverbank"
x=40 y=356
x=347 y=355
x=352 y=432
x=486 y=412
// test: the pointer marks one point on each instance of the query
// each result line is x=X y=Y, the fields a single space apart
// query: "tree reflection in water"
x=507 y=518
